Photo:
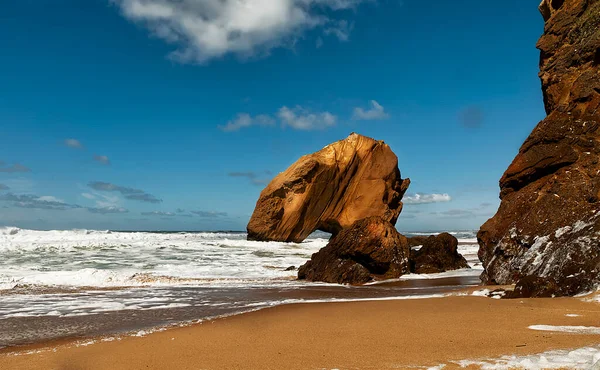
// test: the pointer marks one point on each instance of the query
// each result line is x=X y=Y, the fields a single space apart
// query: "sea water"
x=81 y=283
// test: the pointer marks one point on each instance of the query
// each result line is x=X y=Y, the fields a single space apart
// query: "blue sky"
x=163 y=114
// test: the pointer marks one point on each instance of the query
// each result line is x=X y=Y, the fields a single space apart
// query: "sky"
x=174 y=114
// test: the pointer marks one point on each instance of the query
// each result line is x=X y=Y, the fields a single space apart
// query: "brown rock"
x=439 y=253
x=370 y=249
x=545 y=235
x=416 y=241
x=331 y=189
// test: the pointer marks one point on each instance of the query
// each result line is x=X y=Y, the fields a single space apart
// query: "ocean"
x=85 y=283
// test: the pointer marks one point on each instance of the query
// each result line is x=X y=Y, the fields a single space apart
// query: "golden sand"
x=353 y=335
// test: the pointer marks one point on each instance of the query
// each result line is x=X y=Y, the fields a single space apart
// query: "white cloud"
x=102 y=159
x=73 y=143
x=158 y=213
x=426 y=198
x=375 y=112
x=103 y=201
x=245 y=120
x=299 y=118
x=208 y=29
x=49 y=198
x=107 y=210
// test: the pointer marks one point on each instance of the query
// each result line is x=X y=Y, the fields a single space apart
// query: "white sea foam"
x=592 y=330
x=109 y=259
x=441 y=275
x=64 y=273
x=89 y=258
x=583 y=358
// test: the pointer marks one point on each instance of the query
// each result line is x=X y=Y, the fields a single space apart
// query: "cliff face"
x=548 y=225
x=329 y=190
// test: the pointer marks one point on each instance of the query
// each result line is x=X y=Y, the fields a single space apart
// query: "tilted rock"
x=438 y=253
x=370 y=249
x=545 y=235
x=344 y=182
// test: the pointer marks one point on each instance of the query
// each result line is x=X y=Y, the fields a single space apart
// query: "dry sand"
x=363 y=335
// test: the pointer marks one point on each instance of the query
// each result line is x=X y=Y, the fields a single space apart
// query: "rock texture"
x=438 y=253
x=545 y=235
x=331 y=189
x=371 y=248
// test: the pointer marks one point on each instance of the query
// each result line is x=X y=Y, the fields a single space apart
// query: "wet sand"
x=28 y=327
x=366 y=335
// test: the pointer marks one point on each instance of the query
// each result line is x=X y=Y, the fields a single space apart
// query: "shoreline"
x=104 y=313
x=388 y=333
x=444 y=291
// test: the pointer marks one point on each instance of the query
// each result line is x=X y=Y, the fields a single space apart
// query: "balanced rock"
x=331 y=189
x=438 y=253
x=369 y=249
x=545 y=236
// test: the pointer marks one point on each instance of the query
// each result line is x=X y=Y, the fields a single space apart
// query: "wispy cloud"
x=4 y=187
x=103 y=200
x=73 y=143
x=253 y=177
x=319 y=43
x=300 y=118
x=158 y=213
x=14 y=168
x=482 y=210
x=340 y=29
x=375 y=112
x=20 y=185
x=209 y=214
x=107 y=210
x=102 y=159
x=297 y=118
x=210 y=29
x=457 y=213
x=245 y=120
x=420 y=198
x=128 y=193
x=37 y=202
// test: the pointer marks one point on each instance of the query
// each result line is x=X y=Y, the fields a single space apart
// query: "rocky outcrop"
x=331 y=189
x=438 y=253
x=372 y=249
x=545 y=235
x=369 y=249
x=417 y=241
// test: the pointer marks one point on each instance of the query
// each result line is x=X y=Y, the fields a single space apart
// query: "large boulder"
x=438 y=253
x=344 y=182
x=369 y=249
x=545 y=235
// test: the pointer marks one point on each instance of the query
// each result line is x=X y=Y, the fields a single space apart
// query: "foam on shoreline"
x=585 y=358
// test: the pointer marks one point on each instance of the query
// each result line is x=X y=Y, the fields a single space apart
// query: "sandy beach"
x=367 y=335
